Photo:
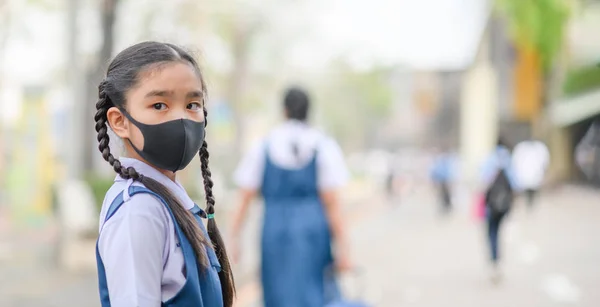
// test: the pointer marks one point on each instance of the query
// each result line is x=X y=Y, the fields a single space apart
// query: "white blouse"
x=331 y=173
x=138 y=244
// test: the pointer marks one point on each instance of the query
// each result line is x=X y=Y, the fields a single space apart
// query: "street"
x=414 y=256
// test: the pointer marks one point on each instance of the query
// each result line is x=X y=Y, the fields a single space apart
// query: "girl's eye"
x=159 y=106
x=194 y=106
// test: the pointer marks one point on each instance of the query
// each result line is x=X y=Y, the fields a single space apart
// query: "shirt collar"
x=174 y=186
x=295 y=123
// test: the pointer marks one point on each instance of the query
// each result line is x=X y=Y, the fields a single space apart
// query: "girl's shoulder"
x=132 y=204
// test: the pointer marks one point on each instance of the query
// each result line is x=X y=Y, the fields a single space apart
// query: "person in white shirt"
x=530 y=161
x=298 y=171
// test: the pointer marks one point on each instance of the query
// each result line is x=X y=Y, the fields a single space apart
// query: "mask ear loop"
x=137 y=124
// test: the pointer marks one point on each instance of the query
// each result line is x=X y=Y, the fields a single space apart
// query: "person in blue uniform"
x=153 y=248
x=442 y=174
x=499 y=185
x=298 y=171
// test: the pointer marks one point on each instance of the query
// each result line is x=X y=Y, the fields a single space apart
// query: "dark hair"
x=123 y=74
x=296 y=104
x=502 y=142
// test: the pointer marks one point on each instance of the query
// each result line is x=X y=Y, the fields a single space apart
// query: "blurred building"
x=458 y=85
x=571 y=115
x=494 y=87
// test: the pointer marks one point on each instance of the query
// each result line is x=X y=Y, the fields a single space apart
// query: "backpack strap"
x=119 y=200
x=112 y=209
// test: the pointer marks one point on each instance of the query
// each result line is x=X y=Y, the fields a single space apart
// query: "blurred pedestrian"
x=530 y=160
x=498 y=181
x=391 y=178
x=298 y=171
x=153 y=248
x=442 y=173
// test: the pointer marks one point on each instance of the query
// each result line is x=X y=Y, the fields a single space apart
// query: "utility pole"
x=72 y=147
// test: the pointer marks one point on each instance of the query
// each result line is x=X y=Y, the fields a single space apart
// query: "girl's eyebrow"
x=164 y=93
x=195 y=94
x=159 y=93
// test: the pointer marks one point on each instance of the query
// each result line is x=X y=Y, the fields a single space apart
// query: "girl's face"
x=172 y=91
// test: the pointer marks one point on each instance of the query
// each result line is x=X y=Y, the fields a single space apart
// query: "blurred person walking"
x=298 y=171
x=441 y=174
x=530 y=160
x=498 y=180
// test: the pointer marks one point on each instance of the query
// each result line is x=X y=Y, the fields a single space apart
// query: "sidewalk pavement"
x=28 y=280
x=413 y=256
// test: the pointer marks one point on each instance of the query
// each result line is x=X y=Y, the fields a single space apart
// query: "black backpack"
x=499 y=197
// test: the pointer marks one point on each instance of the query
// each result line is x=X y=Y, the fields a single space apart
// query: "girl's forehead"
x=175 y=74
x=164 y=69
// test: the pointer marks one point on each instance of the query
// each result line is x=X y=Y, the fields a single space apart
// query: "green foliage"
x=540 y=24
x=194 y=192
x=99 y=185
x=44 y=4
x=354 y=101
x=581 y=80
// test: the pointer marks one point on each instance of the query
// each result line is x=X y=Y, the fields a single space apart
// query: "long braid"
x=226 y=274
x=184 y=218
x=102 y=107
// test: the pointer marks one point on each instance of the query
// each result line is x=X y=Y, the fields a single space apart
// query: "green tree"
x=540 y=25
x=355 y=103
x=94 y=74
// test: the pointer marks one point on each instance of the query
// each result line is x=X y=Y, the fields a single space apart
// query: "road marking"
x=560 y=289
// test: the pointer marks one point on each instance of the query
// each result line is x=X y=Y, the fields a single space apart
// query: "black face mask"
x=170 y=145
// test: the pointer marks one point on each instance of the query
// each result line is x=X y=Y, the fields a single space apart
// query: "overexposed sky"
x=424 y=34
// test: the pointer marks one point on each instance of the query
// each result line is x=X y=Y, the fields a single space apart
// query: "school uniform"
x=143 y=257
x=289 y=168
x=499 y=160
x=530 y=160
x=442 y=173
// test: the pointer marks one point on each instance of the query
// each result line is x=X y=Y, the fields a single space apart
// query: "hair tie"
x=210 y=216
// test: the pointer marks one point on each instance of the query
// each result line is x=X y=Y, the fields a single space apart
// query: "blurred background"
x=392 y=81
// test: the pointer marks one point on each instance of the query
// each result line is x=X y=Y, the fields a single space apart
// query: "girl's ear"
x=116 y=121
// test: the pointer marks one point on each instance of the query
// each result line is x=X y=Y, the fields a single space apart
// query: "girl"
x=153 y=249
x=298 y=171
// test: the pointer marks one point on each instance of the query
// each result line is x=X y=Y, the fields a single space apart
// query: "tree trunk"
x=5 y=16
x=95 y=74
x=73 y=151
x=241 y=41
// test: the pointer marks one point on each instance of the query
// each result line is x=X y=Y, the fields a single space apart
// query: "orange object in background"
x=528 y=84
x=425 y=102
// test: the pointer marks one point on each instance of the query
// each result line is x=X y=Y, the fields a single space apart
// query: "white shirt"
x=331 y=167
x=530 y=160
x=138 y=246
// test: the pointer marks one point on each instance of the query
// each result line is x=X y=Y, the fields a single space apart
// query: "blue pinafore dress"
x=202 y=288
x=296 y=240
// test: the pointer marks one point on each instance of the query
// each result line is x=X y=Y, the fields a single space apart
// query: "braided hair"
x=122 y=75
